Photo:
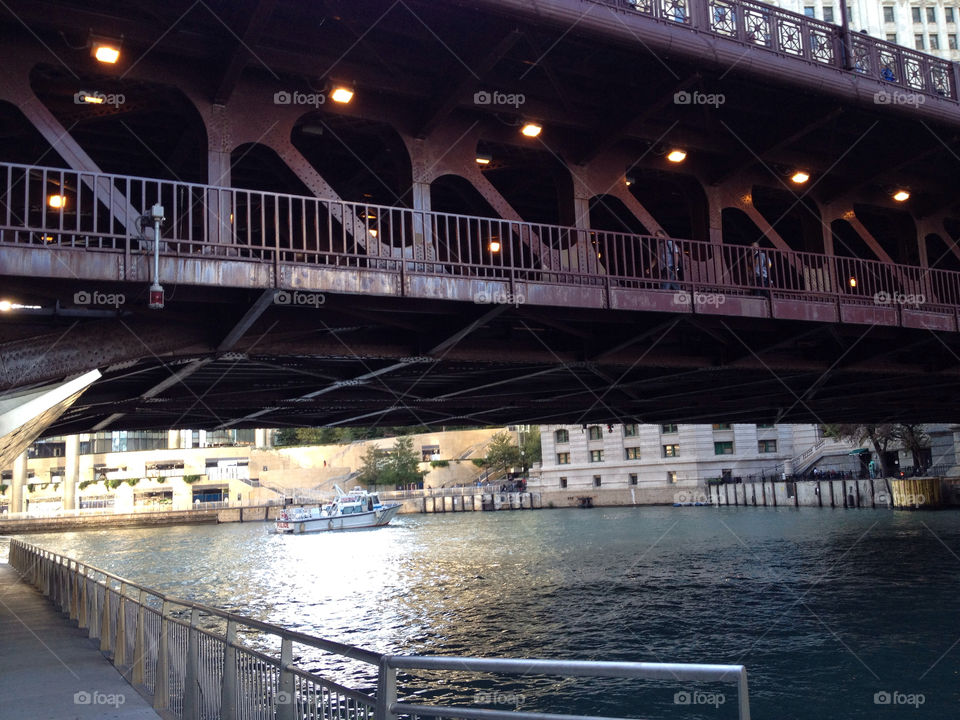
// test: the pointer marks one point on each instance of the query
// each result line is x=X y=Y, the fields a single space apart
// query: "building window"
x=563 y=458
x=915 y=12
x=849 y=13
x=671 y=450
x=888 y=14
x=596 y=433
x=931 y=15
x=934 y=42
x=828 y=14
x=562 y=436
x=948 y=15
x=633 y=478
x=764 y=426
x=631 y=430
x=721 y=426
x=596 y=456
x=918 y=42
x=631 y=453
x=596 y=481
x=563 y=482
x=671 y=476
x=952 y=41
x=767 y=446
x=809 y=11
x=891 y=37
x=723 y=448
x=667 y=429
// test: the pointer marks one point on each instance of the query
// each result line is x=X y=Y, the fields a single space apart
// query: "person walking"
x=761 y=268
x=669 y=259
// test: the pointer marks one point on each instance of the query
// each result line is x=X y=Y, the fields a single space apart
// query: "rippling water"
x=826 y=608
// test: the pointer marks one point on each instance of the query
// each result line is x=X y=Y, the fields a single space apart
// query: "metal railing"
x=274 y=228
x=762 y=26
x=189 y=659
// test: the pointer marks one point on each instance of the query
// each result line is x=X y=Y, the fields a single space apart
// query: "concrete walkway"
x=49 y=669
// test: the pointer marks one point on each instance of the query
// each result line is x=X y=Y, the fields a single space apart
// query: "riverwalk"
x=49 y=668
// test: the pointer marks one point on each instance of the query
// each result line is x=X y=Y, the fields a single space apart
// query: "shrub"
x=114 y=483
x=191 y=479
x=439 y=463
x=132 y=481
x=84 y=484
x=479 y=462
x=3 y=489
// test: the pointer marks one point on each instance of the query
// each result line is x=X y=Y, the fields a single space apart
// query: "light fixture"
x=531 y=129
x=483 y=159
x=629 y=180
x=800 y=177
x=901 y=195
x=853 y=282
x=494 y=246
x=373 y=232
x=57 y=201
x=90 y=98
x=106 y=53
x=341 y=95
x=677 y=155
x=5 y=306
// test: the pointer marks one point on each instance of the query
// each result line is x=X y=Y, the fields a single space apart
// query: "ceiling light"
x=494 y=246
x=5 y=305
x=531 y=129
x=853 y=282
x=629 y=180
x=57 y=201
x=901 y=195
x=105 y=53
x=483 y=159
x=677 y=155
x=342 y=95
x=800 y=177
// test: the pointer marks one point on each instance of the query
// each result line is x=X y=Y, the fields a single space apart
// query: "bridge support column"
x=423 y=241
x=71 y=472
x=19 y=480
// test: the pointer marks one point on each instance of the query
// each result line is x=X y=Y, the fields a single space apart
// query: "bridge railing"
x=789 y=34
x=192 y=660
x=101 y=213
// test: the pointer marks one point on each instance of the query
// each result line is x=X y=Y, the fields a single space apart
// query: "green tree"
x=879 y=437
x=404 y=463
x=532 y=451
x=371 y=466
x=912 y=438
x=501 y=452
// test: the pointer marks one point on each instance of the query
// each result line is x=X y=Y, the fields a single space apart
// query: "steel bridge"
x=412 y=258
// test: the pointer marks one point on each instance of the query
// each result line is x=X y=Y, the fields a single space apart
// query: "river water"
x=828 y=609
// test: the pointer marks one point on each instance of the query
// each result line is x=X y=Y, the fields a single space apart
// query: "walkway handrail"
x=276 y=228
x=759 y=25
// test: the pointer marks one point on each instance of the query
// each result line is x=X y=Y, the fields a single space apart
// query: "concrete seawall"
x=86 y=522
x=859 y=493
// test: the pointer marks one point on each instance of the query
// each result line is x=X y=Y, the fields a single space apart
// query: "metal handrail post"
x=228 y=684
x=191 y=686
x=82 y=612
x=105 y=618
x=386 y=690
x=161 y=685
x=120 y=643
x=139 y=641
x=286 y=704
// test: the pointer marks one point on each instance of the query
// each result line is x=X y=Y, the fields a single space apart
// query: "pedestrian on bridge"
x=761 y=267
x=669 y=259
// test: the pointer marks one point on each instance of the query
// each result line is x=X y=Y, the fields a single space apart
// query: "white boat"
x=348 y=511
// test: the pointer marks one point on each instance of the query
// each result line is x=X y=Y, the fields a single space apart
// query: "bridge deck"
x=47 y=663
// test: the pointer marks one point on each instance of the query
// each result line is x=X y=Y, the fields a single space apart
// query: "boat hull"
x=355 y=521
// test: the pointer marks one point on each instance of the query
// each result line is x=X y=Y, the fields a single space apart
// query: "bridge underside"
x=396 y=361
